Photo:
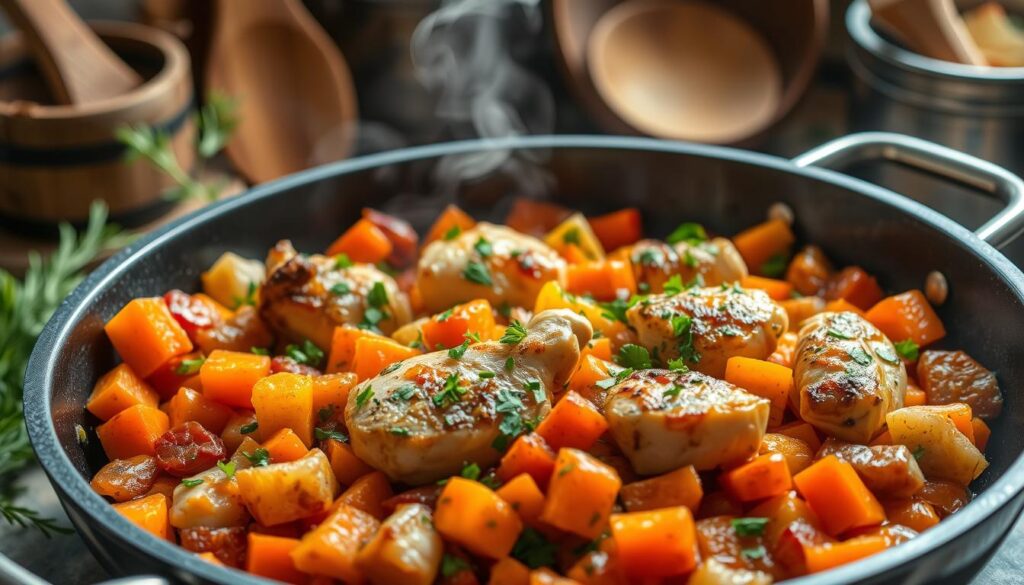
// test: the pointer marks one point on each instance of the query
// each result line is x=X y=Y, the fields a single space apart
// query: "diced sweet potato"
x=117 y=390
x=470 y=514
x=406 y=549
x=581 y=494
x=675 y=488
x=282 y=492
x=132 y=432
x=148 y=513
x=146 y=335
x=331 y=548
x=285 y=401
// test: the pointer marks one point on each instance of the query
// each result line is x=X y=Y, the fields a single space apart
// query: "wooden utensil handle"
x=77 y=66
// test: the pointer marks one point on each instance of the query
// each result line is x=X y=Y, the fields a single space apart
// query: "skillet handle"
x=938 y=160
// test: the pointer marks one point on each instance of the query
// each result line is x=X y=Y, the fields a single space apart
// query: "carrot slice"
x=762 y=378
x=330 y=393
x=363 y=242
x=838 y=496
x=760 y=243
x=618 y=228
x=331 y=548
x=450 y=328
x=188 y=405
x=829 y=555
x=581 y=494
x=285 y=401
x=981 y=433
x=655 y=543
x=604 y=280
x=373 y=354
x=675 y=488
x=346 y=465
x=146 y=335
x=524 y=496
x=508 y=571
x=764 y=477
x=573 y=422
x=528 y=454
x=148 y=513
x=368 y=494
x=907 y=316
x=600 y=348
x=470 y=514
x=914 y=396
x=535 y=218
x=284 y=446
x=270 y=556
x=229 y=376
x=133 y=431
x=343 y=347
x=778 y=290
x=452 y=217
x=117 y=390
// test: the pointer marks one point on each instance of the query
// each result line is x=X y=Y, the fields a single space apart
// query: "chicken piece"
x=425 y=418
x=707 y=326
x=216 y=502
x=890 y=471
x=663 y=420
x=716 y=261
x=847 y=376
x=486 y=262
x=407 y=549
x=305 y=297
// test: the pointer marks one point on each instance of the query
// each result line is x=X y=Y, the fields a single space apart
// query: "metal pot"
x=727 y=189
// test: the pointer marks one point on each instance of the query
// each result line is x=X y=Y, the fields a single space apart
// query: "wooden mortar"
x=55 y=160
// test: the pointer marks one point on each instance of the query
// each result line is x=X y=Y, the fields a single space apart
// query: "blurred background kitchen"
x=222 y=95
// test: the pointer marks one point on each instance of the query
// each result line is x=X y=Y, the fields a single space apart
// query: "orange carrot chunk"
x=363 y=242
x=618 y=228
x=270 y=556
x=981 y=433
x=330 y=549
x=347 y=467
x=760 y=243
x=675 y=488
x=188 y=405
x=573 y=422
x=228 y=376
x=914 y=396
x=907 y=316
x=605 y=280
x=284 y=446
x=779 y=290
x=148 y=513
x=373 y=354
x=330 y=394
x=343 y=347
x=762 y=378
x=450 y=328
x=600 y=348
x=471 y=515
x=856 y=286
x=528 y=454
x=829 y=555
x=451 y=220
x=785 y=349
x=285 y=401
x=508 y=571
x=524 y=496
x=655 y=543
x=368 y=494
x=764 y=477
x=838 y=496
x=117 y=390
x=132 y=432
x=146 y=335
x=581 y=494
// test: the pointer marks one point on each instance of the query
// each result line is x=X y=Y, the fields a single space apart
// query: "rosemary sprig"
x=215 y=122
x=25 y=307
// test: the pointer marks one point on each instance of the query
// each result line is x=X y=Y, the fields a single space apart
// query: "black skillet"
x=727 y=190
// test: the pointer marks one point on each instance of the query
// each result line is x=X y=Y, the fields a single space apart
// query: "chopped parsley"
x=919 y=452
x=418 y=342
x=860 y=356
x=477 y=273
x=325 y=434
x=191 y=482
x=451 y=392
x=752 y=526
x=307 y=353
x=391 y=367
x=672 y=392
x=399 y=431
x=452 y=565
x=259 y=350
x=260 y=457
x=371 y=317
x=689 y=259
x=342 y=261
x=677 y=365
x=325 y=413
x=459 y=350
x=886 y=353
x=452 y=233
x=755 y=552
x=689 y=232
x=533 y=549
x=378 y=295
x=833 y=332
x=483 y=247
x=227 y=467
x=248 y=299
x=510 y=363
x=651 y=257
x=538 y=392
x=514 y=333
x=730 y=331
x=908 y=349
x=189 y=367
x=364 y=396
x=485 y=374
x=249 y=428
x=571 y=236
x=470 y=471
x=512 y=424
x=441 y=318
x=341 y=289
x=505 y=309
x=674 y=285
x=615 y=379
x=405 y=392
x=775 y=266
x=634 y=356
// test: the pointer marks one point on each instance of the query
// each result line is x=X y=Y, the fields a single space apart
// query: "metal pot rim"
x=858 y=26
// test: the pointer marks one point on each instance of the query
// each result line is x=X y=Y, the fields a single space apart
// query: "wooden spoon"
x=77 y=66
x=932 y=28
x=297 y=106
x=684 y=70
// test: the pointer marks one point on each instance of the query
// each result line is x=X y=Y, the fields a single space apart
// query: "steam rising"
x=463 y=53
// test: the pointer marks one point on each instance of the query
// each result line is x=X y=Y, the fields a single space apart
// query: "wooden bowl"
x=795 y=30
x=55 y=160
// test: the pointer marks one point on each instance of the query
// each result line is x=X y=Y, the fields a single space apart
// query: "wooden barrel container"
x=56 y=159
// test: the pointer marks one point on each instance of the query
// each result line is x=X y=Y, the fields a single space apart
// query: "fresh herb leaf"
x=485 y=375
x=477 y=272
x=306 y=353
x=512 y=424
x=451 y=392
x=571 y=236
x=514 y=333
x=418 y=342
x=730 y=331
x=399 y=431
x=886 y=353
x=341 y=289
x=750 y=526
x=249 y=298
x=191 y=483
x=534 y=387
x=835 y=333
x=249 y=429
x=908 y=349
x=674 y=285
x=533 y=549
x=228 y=467
x=216 y=121
x=689 y=232
x=634 y=356
x=470 y=471
x=259 y=350
x=689 y=259
x=672 y=392
x=452 y=565
x=378 y=295
x=505 y=309
x=325 y=434
x=510 y=363
x=452 y=233
x=678 y=365
x=390 y=368
x=364 y=396
x=860 y=356
x=459 y=350
x=483 y=247
x=445 y=315
x=755 y=552
x=775 y=266
x=325 y=413
x=189 y=367
x=405 y=392
x=260 y=457
x=342 y=261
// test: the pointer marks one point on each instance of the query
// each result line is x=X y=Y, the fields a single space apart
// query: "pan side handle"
x=937 y=160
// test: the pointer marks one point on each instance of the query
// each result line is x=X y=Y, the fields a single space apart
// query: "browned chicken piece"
x=948 y=377
x=715 y=262
x=663 y=420
x=425 y=418
x=707 y=326
x=305 y=297
x=889 y=470
x=847 y=376
x=490 y=262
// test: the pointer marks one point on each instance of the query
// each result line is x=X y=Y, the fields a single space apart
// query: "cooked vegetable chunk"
x=331 y=548
x=953 y=376
x=889 y=471
x=406 y=549
x=663 y=420
x=848 y=376
x=942 y=451
x=282 y=492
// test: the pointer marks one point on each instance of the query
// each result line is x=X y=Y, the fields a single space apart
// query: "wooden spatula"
x=932 y=28
x=75 y=63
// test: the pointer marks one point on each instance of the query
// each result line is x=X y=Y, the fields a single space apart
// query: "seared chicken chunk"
x=216 y=502
x=714 y=262
x=487 y=262
x=305 y=297
x=848 y=376
x=425 y=418
x=707 y=326
x=663 y=420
